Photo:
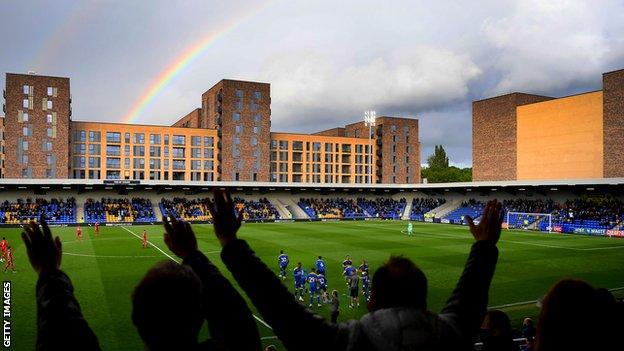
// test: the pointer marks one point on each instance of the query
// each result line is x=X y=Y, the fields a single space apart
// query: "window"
x=138 y=151
x=94 y=149
x=283 y=144
x=26 y=89
x=154 y=163
x=208 y=165
x=239 y=129
x=25 y=145
x=239 y=94
x=235 y=152
x=24 y=117
x=208 y=141
x=178 y=164
x=155 y=139
x=195 y=141
x=26 y=103
x=126 y=163
x=154 y=151
x=257 y=118
x=178 y=140
x=112 y=175
x=47 y=145
x=236 y=140
x=49 y=173
x=196 y=165
x=80 y=148
x=24 y=159
x=166 y=151
x=49 y=104
x=94 y=137
x=139 y=138
x=208 y=153
x=49 y=118
x=235 y=116
x=113 y=150
x=127 y=138
x=26 y=131
x=257 y=95
x=94 y=162
x=50 y=91
x=139 y=163
x=177 y=152
x=80 y=135
x=256 y=130
x=113 y=137
x=254 y=141
x=79 y=162
x=393 y=128
x=113 y=162
x=195 y=152
x=166 y=139
x=127 y=150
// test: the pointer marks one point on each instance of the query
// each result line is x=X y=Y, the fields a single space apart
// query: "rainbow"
x=183 y=61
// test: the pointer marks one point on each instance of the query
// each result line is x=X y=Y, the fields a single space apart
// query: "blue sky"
x=327 y=61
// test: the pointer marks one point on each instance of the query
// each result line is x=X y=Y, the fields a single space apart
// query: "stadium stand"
x=386 y=208
x=472 y=208
x=56 y=211
x=256 y=210
x=523 y=206
x=190 y=210
x=107 y=210
x=587 y=215
x=420 y=206
x=331 y=208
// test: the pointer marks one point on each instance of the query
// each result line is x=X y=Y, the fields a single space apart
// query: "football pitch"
x=105 y=269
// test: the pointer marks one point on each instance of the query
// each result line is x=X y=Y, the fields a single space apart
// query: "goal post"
x=528 y=220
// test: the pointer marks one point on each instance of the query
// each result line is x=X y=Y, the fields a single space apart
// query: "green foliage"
x=439 y=159
x=439 y=171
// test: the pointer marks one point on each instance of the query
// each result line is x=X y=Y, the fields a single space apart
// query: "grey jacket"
x=388 y=329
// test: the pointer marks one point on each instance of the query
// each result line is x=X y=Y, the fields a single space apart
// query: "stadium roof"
x=605 y=184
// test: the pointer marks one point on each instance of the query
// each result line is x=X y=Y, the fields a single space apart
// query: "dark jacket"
x=60 y=325
x=230 y=322
x=386 y=329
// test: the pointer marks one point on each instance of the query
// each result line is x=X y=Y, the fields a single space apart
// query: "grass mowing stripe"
x=176 y=261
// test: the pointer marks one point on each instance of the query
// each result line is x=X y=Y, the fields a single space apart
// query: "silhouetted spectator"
x=496 y=333
x=575 y=317
x=60 y=324
x=398 y=319
x=528 y=328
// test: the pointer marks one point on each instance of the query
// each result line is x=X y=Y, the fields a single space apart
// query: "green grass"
x=528 y=264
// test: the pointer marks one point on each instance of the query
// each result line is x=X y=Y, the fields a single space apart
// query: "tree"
x=439 y=159
x=439 y=171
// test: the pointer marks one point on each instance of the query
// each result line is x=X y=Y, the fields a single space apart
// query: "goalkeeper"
x=409 y=229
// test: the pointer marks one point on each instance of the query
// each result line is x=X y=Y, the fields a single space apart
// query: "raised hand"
x=225 y=220
x=43 y=252
x=179 y=237
x=489 y=227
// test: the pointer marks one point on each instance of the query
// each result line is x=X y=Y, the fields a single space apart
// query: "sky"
x=327 y=61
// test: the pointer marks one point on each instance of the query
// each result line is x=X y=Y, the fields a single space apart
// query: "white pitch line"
x=173 y=259
x=149 y=242
x=534 y=301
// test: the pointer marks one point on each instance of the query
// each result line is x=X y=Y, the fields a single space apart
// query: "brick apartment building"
x=228 y=138
x=521 y=136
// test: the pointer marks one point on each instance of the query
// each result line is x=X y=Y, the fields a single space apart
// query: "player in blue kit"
x=312 y=280
x=320 y=265
x=299 y=276
x=348 y=272
x=322 y=285
x=282 y=261
x=363 y=267
x=366 y=285
x=346 y=262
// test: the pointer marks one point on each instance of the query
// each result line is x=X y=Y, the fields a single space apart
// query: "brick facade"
x=613 y=123
x=191 y=120
x=37 y=126
x=494 y=127
x=396 y=148
x=1 y=146
x=241 y=113
x=337 y=132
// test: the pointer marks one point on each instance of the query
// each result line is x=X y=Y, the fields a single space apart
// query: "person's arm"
x=230 y=321
x=467 y=305
x=60 y=324
x=291 y=322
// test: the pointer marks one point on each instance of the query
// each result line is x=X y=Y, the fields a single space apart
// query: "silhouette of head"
x=166 y=307
x=398 y=283
x=496 y=333
x=573 y=317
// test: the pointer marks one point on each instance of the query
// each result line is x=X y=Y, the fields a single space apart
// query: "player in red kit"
x=97 y=228
x=144 y=240
x=3 y=247
x=9 y=260
x=79 y=233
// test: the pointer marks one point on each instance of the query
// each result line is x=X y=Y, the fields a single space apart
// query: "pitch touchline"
x=176 y=261
x=106 y=256
x=533 y=301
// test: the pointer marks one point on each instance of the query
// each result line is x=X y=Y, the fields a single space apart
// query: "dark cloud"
x=327 y=61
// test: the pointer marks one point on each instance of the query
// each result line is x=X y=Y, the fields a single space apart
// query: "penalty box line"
x=176 y=261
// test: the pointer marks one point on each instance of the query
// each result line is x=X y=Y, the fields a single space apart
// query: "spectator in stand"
x=496 y=333
x=398 y=319
x=528 y=328
x=575 y=316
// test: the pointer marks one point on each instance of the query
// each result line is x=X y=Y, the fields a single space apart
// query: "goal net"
x=529 y=221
